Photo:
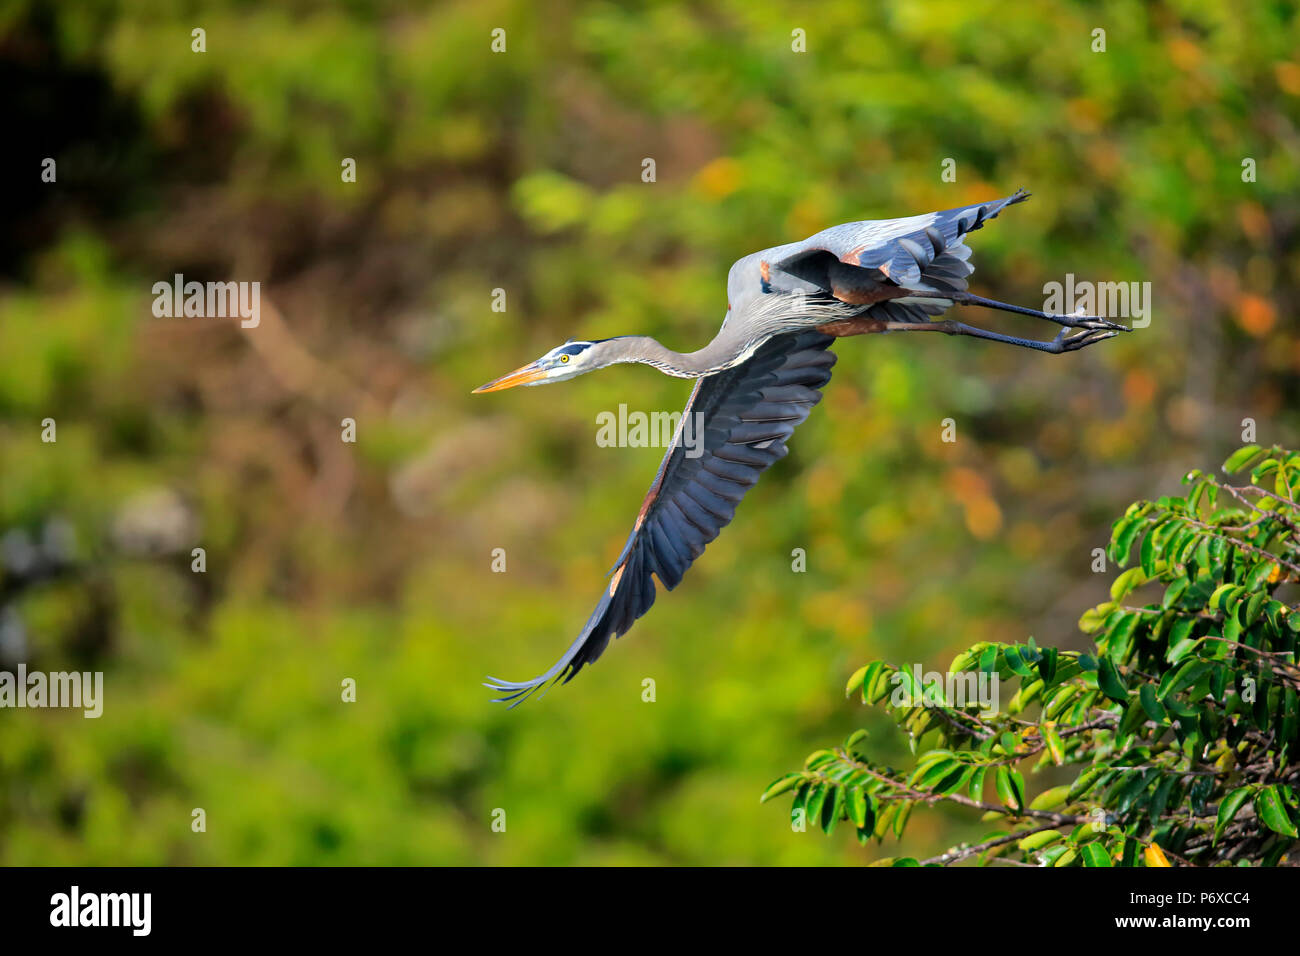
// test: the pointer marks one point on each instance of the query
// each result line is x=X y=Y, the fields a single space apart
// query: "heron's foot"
x=1067 y=341
x=1088 y=322
x=1069 y=321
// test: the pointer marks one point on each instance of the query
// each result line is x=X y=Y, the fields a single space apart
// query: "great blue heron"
x=762 y=374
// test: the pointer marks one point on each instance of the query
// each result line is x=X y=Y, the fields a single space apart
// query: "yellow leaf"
x=1155 y=856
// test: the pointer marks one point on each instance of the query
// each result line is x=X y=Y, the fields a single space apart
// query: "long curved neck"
x=722 y=353
x=739 y=336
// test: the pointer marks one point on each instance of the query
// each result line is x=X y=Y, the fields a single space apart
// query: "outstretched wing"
x=855 y=261
x=747 y=413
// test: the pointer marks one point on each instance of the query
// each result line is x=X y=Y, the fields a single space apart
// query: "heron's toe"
x=1097 y=322
x=1072 y=341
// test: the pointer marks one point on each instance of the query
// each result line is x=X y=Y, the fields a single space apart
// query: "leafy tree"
x=1175 y=733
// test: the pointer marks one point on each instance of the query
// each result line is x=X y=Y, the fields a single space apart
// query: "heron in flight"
x=760 y=377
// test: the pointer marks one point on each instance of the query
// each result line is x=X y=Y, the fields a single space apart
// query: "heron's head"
x=562 y=362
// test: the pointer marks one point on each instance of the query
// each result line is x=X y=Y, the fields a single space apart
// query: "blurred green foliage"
x=522 y=171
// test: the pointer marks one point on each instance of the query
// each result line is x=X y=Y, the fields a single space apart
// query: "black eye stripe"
x=576 y=349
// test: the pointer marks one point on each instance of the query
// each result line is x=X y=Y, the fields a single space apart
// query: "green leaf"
x=857 y=805
x=901 y=818
x=1259 y=574
x=1181 y=643
x=1263 y=469
x=1127 y=581
x=1240 y=458
x=1036 y=841
x=936 y=772
x=877 y=683
x=816 y=800
x=1051 y=799
x=1228 y=809
x=975 y=789
x=1047 y=664
x=1017 y=662
x=832 y=811
x=1134 y=717
x=1160 y=797
x=1063 y=697
x=1134 y=784
x=1011 y=788
x=819 y=758
x=1093 y=618
x=1085 y=782
x=1122 y=537
x=1147 y=555
x=1174 y=592
x=1187 y=674
x=1120 y=640
x=1055 y=746
x=856 y=681
x=1108 y=680
x=783 y=785
x=1151 y=704
x=1255 y=604
x=1025 y=696
x=1217 y=599
x=1094 y=854
x=1231 y=627
x=1271 y=809
x=799 y=805
x=910 y=685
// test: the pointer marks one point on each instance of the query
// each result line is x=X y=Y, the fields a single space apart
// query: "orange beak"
x=520 y=376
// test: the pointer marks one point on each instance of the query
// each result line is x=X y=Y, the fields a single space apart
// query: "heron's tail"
x=589 y=646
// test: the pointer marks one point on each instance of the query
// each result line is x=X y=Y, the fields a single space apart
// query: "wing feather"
x=749 y=411
x=855 y=260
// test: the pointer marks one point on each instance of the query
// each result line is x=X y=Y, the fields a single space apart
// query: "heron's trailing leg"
x=1065 y=340
x=1069 y=321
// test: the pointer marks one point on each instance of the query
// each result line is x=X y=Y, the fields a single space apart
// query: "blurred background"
x=522 y=170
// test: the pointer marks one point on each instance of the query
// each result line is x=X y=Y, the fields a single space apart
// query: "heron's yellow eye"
x=564 y=360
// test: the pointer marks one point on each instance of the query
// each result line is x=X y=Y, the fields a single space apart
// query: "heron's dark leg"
x=1065 y=341
x=1069 y=321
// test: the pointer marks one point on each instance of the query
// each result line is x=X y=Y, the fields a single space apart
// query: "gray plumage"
x=761 y=375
